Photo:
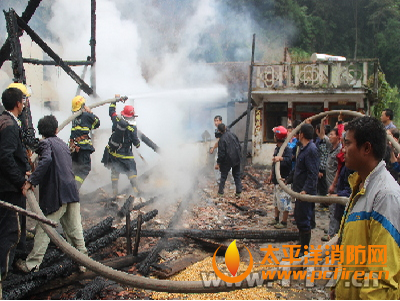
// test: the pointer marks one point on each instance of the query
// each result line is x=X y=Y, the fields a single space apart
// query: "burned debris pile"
x=170 y=240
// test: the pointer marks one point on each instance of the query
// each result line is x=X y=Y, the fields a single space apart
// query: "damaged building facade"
x=285 y=92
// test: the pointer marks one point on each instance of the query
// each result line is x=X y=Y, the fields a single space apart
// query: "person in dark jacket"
x=80 y=143
x=305 y=181
x=58 y=193
x=282 y=201
x=229 y=154
x=118 y=155
x=13 y=168
x=342 y=189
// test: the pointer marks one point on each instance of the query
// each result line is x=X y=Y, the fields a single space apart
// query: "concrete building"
x=289 y=91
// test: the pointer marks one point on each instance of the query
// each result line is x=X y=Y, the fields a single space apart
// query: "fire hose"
x=78 y=113
x=314 y=198
x=122 y=277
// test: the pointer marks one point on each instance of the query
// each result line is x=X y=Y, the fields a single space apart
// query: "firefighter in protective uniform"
x=80 y=142
x=118 y=154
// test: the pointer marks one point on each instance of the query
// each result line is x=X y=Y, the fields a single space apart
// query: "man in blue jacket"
x=58 y=194
x=13 y=167
x=305 y=181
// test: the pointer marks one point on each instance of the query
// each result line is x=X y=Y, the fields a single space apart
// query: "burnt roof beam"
x=46 y=48
x=15 y=46
x=30 y=9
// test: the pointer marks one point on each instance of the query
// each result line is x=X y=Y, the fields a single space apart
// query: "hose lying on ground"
x=124 y=278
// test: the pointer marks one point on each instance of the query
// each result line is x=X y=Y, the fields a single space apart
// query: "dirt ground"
x=205 y=211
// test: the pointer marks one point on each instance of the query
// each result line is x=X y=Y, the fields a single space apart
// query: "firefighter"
x=118 y=154
x=80 y=142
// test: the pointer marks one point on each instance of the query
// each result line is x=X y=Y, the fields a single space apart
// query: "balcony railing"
x=317 y=75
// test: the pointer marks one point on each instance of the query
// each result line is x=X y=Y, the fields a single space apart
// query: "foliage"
x=388 y=97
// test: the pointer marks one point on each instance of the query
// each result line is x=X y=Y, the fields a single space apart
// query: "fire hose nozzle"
x=118 y=97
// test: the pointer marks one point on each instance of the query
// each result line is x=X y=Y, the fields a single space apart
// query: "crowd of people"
x=354 y=160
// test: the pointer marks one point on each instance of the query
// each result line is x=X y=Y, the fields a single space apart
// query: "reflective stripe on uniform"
x=130 y=128
x=132 y=176
x=85 y=141
x=79 y=179
x=80 y=128
x=95 y=122
x=114 y=179
x=114 y=154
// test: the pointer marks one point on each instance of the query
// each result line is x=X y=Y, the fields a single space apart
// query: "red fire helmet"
x=128 y=111
x=280 y=132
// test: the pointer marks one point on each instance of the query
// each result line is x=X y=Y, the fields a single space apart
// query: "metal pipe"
x=249 y=105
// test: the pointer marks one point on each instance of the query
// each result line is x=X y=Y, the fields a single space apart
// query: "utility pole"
x=249 y=107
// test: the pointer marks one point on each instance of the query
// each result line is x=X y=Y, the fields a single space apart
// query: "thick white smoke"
x=154 y=52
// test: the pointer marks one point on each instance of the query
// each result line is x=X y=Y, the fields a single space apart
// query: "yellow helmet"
x=20 y=86
x=77 y=103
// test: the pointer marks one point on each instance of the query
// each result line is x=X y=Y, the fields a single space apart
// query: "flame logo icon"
x=232 y=261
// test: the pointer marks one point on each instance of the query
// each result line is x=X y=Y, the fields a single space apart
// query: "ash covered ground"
x=202 y=210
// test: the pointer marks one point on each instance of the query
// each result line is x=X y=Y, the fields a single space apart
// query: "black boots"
x=304 y=238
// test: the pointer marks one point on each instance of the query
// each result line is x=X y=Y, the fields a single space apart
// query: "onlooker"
x=229 y=152
x=331 y=170
x=323 y=145
x=13 y=168
x=371 y=217
x=282 y=200
x=305 y=181
x=218 y=121
x=58 y=193
x=386 y=118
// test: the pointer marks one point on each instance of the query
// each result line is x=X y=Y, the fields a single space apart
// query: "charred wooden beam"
x=137 y=237
x=276 y=235
x=89 y=235
x=239 y=118
x=19 y=287
x=254 y=179
x=46 y=48
x=115 y=263
x=53 y=63
x=15 y=46
x=109 y=238
x=93 y=45
x=168 y=269
x=146 y=140
x=30 y=9
x=90 y=291
x=144 y=267
x=127 y=206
